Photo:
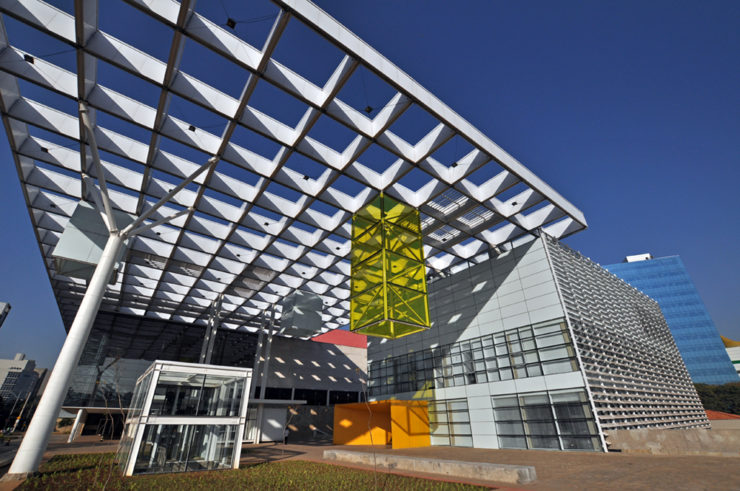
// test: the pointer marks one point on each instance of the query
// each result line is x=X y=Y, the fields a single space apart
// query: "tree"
x=724 y=398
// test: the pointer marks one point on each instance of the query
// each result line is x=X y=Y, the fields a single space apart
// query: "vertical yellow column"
x=388 y=279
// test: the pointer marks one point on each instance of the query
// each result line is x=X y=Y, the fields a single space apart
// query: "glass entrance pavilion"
x=185 y=417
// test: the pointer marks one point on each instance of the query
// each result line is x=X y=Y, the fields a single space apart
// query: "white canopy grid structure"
x=305 y=123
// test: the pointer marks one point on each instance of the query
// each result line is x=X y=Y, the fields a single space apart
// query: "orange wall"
x=402 y=424
x=351 y=422
x=410 y=424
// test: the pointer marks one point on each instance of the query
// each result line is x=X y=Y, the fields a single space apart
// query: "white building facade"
x=538 y=348
x=17 y=377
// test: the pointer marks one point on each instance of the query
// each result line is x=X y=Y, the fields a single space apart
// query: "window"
x=515 y=353
x=449 y=422
x=547 y=420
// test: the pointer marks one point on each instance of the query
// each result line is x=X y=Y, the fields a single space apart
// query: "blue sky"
x=629 y=109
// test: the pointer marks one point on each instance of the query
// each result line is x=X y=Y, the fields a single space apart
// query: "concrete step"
x=513 y=474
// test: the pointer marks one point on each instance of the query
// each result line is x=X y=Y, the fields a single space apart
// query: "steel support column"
x=263 y=383
x=80 y=420
x=209 y=341
x=34 y=443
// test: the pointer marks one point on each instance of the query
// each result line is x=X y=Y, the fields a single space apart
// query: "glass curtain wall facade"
x=537 y=348
x=185 y=417
x=667 y=281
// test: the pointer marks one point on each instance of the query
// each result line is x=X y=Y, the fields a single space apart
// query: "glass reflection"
x=179 y=448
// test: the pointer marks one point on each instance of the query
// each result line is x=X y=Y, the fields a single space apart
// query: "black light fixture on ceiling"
x=28 y=58
x=231 y=23
x=368 y=109
x=191 y=127
x=305 y=177
x=454 y=164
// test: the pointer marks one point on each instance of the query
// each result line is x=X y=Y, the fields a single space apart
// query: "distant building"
x=4 y=310
x=733 y=351
x=666 y=280
x=17 y=377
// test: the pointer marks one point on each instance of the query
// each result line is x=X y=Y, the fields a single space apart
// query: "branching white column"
x=34 y=443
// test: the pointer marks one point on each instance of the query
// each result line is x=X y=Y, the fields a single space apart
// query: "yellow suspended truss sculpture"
x=389 y=288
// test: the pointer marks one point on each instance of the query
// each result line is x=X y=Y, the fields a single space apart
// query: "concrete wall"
x=726 y=424
x=311 y=423
x=692 y=441
x=273 y=424
x=310 y=365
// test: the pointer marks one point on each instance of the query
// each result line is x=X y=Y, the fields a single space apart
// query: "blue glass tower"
x=666 y=280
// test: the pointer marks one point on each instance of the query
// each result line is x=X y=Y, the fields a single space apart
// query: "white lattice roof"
x=308 y=123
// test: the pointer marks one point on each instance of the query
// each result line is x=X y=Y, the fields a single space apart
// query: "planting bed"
x=98 y=471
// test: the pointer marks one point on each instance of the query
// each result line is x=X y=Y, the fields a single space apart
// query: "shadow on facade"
x=121 y=347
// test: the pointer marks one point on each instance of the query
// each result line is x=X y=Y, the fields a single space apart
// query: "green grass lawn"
x=98 y=471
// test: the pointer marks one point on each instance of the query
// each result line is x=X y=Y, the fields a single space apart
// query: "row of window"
x=545 y=420
x=530 y=351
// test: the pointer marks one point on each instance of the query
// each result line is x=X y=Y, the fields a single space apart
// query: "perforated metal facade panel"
x=631 y=363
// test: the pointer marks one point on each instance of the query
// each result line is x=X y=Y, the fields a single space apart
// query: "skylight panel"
x=38 y=44
x=377 y=158
x=255 y=142
x=183 y=151
x=48 y=98
x=122 y=127
x=453 y=152
x=324 y=208
x=220 y=205
x=120 y=161
x=508 y=196
x=250 y=21
x=240 y=174
x=414 y=124
x=277 y=104
x=415 y=179
x=349 y=186
x=149 y=35
x=484 y=174
x=307 y=53
x=64 y=5
x=121 y=81
x=53 y=140
x=308 y=169
x=169 y=182
x=332 y=134
x=210 y=67
x=197 y=118
x=366 y=92
x=283 y=192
